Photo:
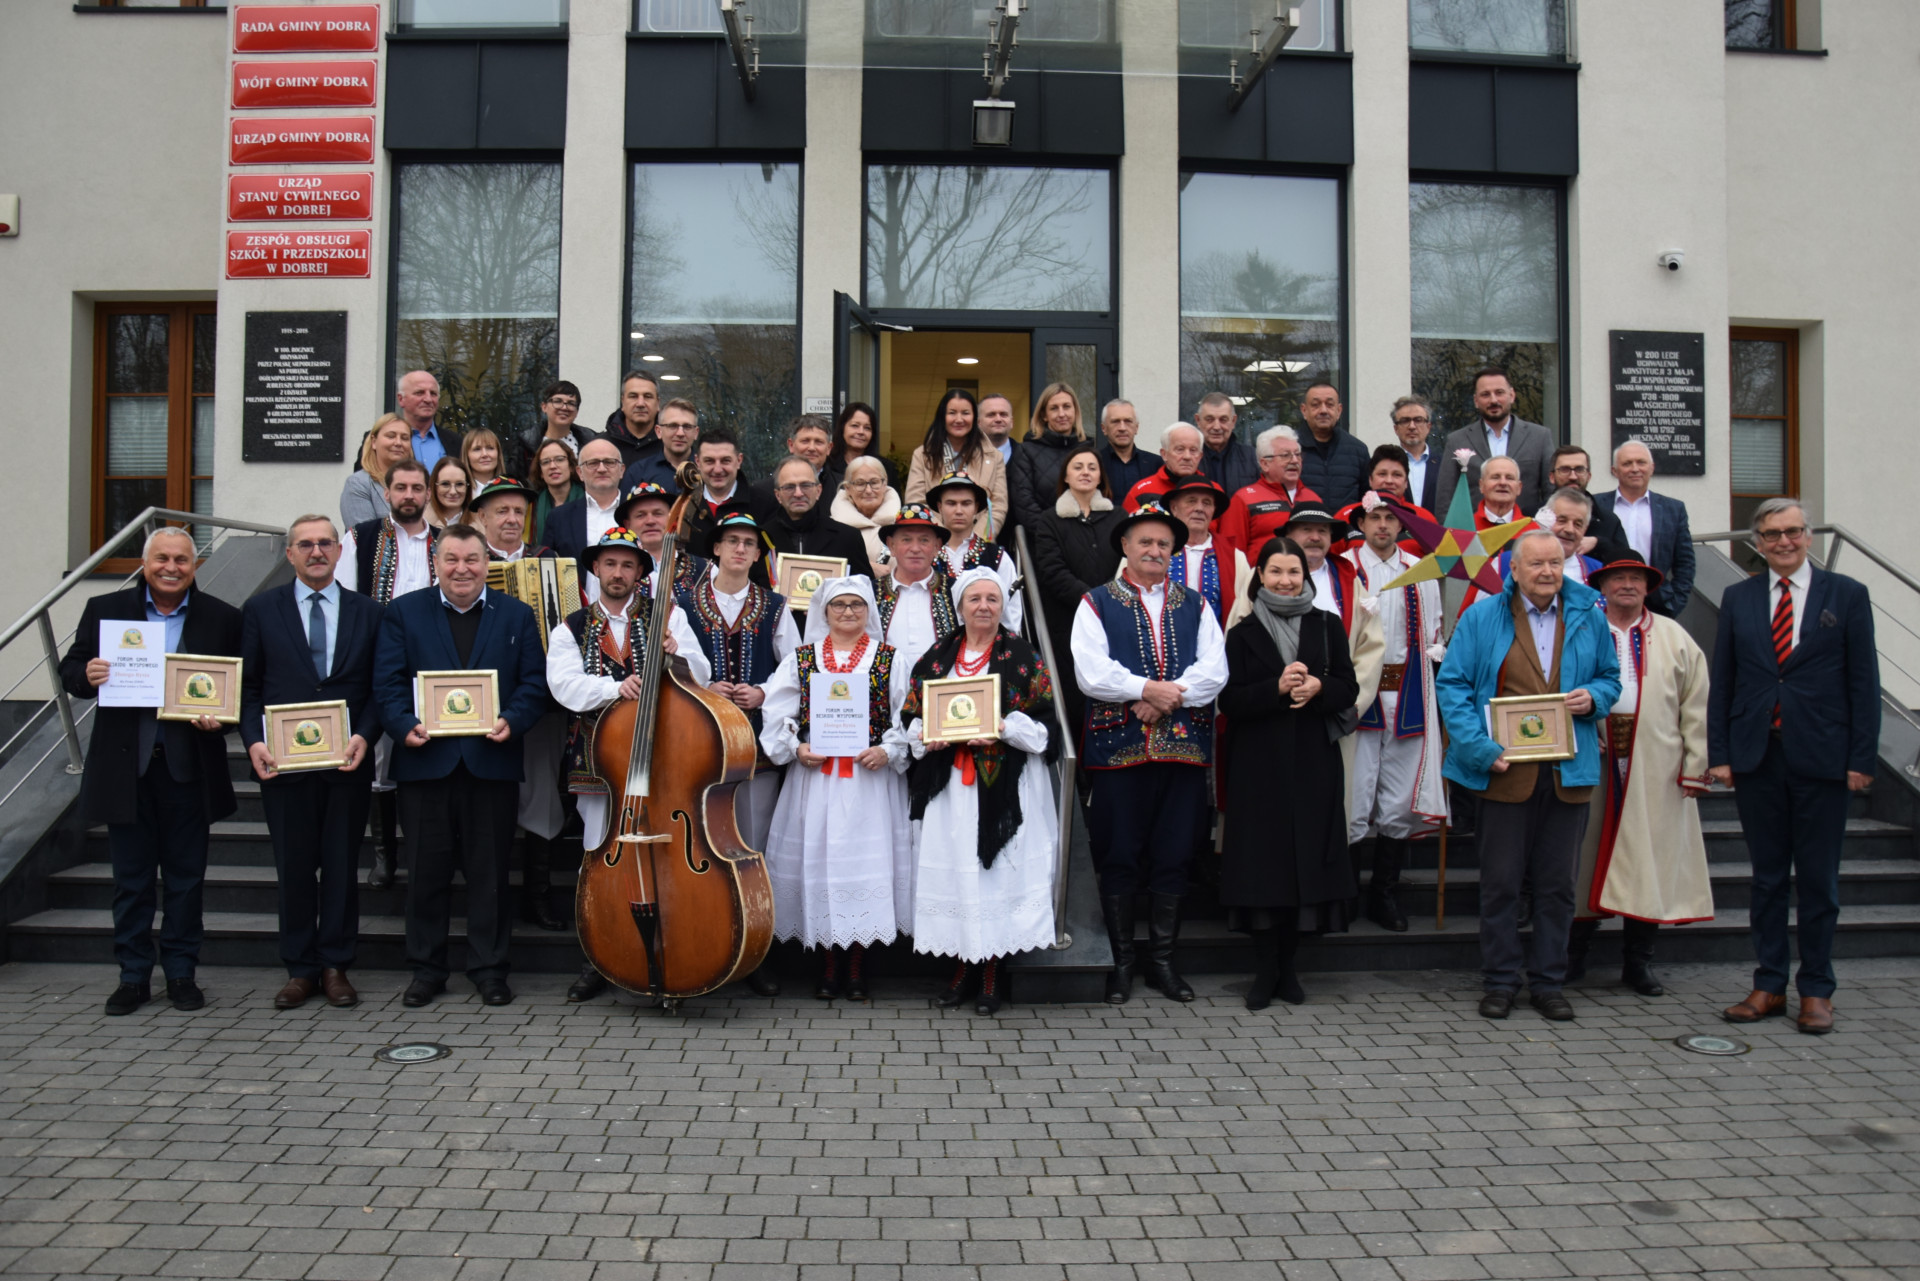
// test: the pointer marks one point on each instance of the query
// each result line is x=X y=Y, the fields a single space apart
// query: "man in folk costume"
x=383 y=558
x=916 y=609
x=646 y=510
x=1397 y=790
x=1206 y=564
x=1644 y=859
x=959 y=499
x=1150 y=657
x=594 y=659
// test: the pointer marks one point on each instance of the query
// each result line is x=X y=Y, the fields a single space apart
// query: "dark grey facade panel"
x=930 y=109
x=1537 y=121
x=523 y=96
x=476 y=95
x=1301 y=112
x=1499 y=119
x=1450 y=117
x=685 y=95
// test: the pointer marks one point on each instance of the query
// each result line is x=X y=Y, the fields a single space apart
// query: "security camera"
x=1672 y=259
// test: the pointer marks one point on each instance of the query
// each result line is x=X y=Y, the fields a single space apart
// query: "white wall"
x=1149 y=220
x=833 y=195
x=1379 y=272
x=593 y=202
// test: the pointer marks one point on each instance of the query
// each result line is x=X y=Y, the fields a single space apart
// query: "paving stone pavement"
x=1382 y=1131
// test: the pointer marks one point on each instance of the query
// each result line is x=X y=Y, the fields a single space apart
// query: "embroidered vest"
x=1115 y=738
x=376 y=556
x=939 y=597
x=590 y=629
x=879 y=690
x=1209 y=587
x=741 y=654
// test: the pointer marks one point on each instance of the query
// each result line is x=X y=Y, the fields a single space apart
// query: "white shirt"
x=1802 y=580
x=1573 y=567
x=714 y=499
x=1196 y=554
x=1390 y=607
x=911 y=631
x=410 y=571
x=573 y=689
x=1014 y=610
x=1629 y=699
x=1543 y=622
x=599 y=521
x=786 y=637
x=1636 y=517
x=1417 y=475
x=1497 y=440
x=1323 y=597
x=329 y=608
x=1101 y=677
x=513 y=555
x=1498 y=518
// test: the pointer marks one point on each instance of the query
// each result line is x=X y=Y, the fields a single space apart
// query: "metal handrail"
x=1069 y=758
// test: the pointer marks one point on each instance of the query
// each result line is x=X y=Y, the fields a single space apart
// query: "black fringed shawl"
x=1026 y=687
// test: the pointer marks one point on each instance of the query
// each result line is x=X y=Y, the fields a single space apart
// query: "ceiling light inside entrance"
x=967 y=360
x=1263 y=366
x=636 y=335
x=669 y=378
x=653 y=358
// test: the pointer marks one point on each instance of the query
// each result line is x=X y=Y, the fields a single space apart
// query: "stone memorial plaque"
x=1660 y=398
x=294 y=408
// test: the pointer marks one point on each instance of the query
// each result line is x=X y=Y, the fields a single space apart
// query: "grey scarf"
x=1280 y=616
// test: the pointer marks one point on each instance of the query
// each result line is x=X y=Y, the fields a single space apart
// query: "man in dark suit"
x=311 y=641
x=1793 y=725
x=1412 y=424
x=157 y=785
x=1653 y=525
x=1498 y=433
x=573 y=527
x=459 y=626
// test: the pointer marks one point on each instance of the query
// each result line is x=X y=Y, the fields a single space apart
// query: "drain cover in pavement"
x=1710 y=1044
x=421 y=1053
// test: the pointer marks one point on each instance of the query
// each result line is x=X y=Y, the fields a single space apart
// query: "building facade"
x=570 y=188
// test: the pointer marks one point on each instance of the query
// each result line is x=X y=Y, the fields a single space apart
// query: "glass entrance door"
x=856 y=354
x=1084 y=360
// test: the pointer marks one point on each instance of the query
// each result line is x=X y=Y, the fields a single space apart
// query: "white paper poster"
x=137 y=654
x=837 y=714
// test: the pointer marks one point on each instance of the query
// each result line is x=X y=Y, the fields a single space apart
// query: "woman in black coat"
x=1033 y=477
x=1073 y=554
x=1284 y=866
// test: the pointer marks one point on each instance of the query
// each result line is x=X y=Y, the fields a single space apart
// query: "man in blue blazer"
x=468 y=781
x=574 y=526
x=1654 y=525
x=1793 y=725
x=311 y=641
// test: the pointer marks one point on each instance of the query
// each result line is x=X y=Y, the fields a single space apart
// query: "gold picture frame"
x=457 y=704
x=305 y=736
x=1533 y=727
x=960 y=709
x=802 y=576
x=201 y=685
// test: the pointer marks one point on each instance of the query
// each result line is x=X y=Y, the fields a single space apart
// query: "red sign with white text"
x=303 y=84
x=301 y=28
x=270 y=254
x=301 y=140
x=294 y=197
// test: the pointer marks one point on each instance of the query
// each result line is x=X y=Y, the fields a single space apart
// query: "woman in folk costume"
x=1644 y=858
x=984 y=824
x=1284 y=868
x=838 y=852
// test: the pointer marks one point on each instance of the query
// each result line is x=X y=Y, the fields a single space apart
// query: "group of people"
x=1248 y=680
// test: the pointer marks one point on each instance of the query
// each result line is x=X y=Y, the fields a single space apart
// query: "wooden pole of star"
x=1440 y=885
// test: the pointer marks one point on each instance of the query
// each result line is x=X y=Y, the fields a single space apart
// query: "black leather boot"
x=1163 y=935
x=828 y=988
x=386 y=829
x=857 y=972
x=1266 y=969
x=536 y=883
x=1118 y=911
x=966 y=981
x=993 y=986
x=1579 y=939
x=1636 y=964
x=1288 y=989
x=590 y=984
x=1383 y=903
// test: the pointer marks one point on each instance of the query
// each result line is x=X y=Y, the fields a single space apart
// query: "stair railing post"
x=75 y=761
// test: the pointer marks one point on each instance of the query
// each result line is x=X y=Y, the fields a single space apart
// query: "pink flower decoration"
x=1463 y=456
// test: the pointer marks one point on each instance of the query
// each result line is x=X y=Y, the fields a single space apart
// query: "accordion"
x=548 y=585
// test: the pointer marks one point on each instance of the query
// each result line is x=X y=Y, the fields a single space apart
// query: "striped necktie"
x=1782 y=634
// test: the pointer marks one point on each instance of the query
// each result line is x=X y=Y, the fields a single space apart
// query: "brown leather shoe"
x=1816 y=1015
x=294 y=994
x=1758 y=1005
x=340 y=993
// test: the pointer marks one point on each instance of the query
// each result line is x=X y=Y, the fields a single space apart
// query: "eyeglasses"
x=847 y=606
x=307 y=546
x=557 y=403
x=806 y=487
x=1780 y=535
x=598 y=464
x=866 y=484
x=1412 y=422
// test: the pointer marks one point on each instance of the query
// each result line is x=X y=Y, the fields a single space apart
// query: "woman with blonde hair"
x=448 y=488
x=866 y=502
x=480 y=453
x=364 y=496
x=1033 y=477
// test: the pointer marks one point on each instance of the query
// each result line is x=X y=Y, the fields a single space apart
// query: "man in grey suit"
x=1498 y=433
x=1653 y=524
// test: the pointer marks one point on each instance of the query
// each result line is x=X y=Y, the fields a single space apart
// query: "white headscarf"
x=852 y=585
x=978 y=574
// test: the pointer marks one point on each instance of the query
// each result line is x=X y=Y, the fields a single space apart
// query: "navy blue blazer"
x=414 y=637
x=565 y=530
x=278 y=666
x=1828 y=691
x=1672 y=549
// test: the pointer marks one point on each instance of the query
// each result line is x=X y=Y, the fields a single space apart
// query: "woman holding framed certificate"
x=838 y=852
x=980 y=720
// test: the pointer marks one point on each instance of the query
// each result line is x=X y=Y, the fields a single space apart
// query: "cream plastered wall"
x=1379 y=282
x=1149 y=222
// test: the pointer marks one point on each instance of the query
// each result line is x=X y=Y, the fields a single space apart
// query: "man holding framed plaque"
x=157 y=785
x=459 y=627
x=304 y=645
x=1540 y=639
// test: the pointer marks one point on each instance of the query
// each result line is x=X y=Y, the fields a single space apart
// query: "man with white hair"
x=419 y=404
x=1123 y=462
x=1655 y=526
x=1258 y=511
x=1180 y=449
x=157 y=785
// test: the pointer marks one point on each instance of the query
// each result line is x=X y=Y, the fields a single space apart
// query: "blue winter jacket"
x=1470 y=678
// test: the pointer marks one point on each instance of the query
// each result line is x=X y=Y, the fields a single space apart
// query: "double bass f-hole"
x=686 y=838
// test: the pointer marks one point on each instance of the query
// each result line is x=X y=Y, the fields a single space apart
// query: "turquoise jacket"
x=1470 y=678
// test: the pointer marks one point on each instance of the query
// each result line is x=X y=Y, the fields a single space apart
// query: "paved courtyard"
x=1382 y=1131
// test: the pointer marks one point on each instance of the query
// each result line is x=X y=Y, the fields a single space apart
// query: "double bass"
x=673 y=903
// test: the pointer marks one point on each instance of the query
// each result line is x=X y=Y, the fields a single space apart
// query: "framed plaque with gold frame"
x=303 y=736
x=451 y=704
x=201 y=685
x=1533 y=727
x=960 y=709
x=802 y=576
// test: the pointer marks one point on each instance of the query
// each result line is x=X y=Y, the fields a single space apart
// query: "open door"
x=1083 y=359
x=856 y=353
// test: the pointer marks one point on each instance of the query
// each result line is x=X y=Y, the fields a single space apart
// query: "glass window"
x=1259 y=291
x=1486 y=291
x=1077 y=21
x=155 y=392
x=1757 y=24
x=418 y=15
x=713 y=279
x=676 y=17
x=477 y=290
x=977 y=238
x=1760 y=426
x=1537 y=27
x=1225 y=24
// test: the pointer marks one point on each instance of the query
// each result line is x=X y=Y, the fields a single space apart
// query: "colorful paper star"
x=1469 y=554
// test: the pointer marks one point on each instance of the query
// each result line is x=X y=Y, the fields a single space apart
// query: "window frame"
x=1435 y=53
x=180 y=403
x=1789 y=398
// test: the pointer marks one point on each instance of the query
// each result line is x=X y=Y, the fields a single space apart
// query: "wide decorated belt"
x=1620 y=732
x=1391 y=675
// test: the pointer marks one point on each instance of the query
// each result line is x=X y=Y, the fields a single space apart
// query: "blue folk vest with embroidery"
x=741 y=654
x=1115 y=737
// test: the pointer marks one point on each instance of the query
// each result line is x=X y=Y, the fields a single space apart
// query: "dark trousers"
x=1144 y=823
x=166 y=843
x=1794 y=828
x=485 y=810
x=317 y=822
x=1535 y=841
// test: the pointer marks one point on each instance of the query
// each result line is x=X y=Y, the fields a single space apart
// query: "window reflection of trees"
x=1257 y=330
x=1075 y=20
x=479 y=287
x=1750 y=24
x=978 y=238
x=1489 y=26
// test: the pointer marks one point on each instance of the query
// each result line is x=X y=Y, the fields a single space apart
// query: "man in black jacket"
x=1333 y=462
x=800 y=526
x=1226 y=460
x=157 y=785
x=630 y=427
x=1122 y=463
